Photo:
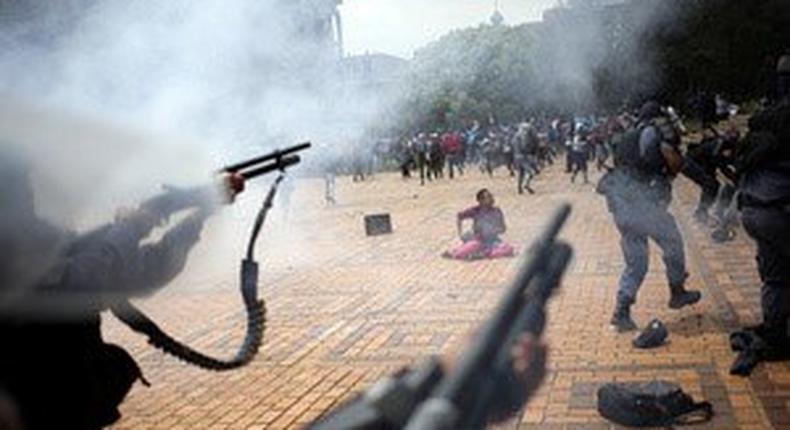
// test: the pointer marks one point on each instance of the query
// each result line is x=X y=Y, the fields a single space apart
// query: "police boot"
x=682 y=297
x=621 y=319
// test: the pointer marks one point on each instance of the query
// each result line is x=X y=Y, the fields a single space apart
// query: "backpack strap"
x=699 y=413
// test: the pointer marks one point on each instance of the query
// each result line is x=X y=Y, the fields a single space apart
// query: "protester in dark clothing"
x=713 y=154
x=420 y=148
x=701 y=168
x=579 y=154
x=600 y=147
x=435 y=157
x=405 y=158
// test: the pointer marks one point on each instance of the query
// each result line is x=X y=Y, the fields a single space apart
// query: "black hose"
x=256 y=310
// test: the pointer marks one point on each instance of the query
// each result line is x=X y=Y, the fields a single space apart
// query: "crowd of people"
x=639 y=152
x=524 y=149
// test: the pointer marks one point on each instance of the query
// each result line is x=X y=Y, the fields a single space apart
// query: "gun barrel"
x=278 y=154
x=278 y=165
x=496 y=330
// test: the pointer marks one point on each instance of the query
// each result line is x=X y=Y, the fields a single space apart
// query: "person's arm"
x=673 y=158
x=113 y=262
x=466 y=214
x=670 y=149
x=501 y=227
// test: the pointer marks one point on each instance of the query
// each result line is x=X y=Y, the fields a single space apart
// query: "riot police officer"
x=638 y=192
x=764 y=164
x=55 y=369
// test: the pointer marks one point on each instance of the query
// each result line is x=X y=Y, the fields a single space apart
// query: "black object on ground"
x=376 y=225
x=654 y=335
x=652 y=404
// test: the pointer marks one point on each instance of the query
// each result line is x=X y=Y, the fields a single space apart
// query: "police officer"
x=55 y=369
x=764 y=164
x=638 y=195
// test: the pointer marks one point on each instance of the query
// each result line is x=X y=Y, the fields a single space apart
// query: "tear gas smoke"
x=110 y=99
x=583 y=56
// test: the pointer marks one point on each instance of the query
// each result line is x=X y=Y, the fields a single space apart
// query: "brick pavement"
x=345 y=309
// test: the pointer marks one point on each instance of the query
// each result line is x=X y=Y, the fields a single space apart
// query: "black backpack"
x=653 y=404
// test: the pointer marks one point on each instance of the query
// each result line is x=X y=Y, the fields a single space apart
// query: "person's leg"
x=707 y=198
x=633 y=245
x=500 y=250
x=530 y=173
x=663 y=229
x=768 y=227
x=327 y=192
x=574 y=167
x=584 y=172
x=467 y=249
x=724 y=198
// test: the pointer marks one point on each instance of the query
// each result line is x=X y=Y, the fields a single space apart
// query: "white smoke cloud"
x=110 y=99
x=226 y=79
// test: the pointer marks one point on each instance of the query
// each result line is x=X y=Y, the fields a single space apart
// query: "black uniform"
x=765 y=202
x=763 y=160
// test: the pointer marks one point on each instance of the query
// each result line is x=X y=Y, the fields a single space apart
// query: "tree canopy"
x=597 y=59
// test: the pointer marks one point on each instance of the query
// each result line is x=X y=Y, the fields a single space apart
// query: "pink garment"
x=488 y=222
x=476 y=249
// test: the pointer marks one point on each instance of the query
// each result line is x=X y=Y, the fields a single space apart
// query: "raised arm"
x=111 y=263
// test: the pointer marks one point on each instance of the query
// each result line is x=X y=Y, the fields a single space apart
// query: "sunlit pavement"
x=345 y=309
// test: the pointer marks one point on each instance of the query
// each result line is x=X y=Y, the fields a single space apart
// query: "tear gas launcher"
x=278 y=160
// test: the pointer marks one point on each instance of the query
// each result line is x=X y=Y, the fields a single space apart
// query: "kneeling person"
x=483 y=241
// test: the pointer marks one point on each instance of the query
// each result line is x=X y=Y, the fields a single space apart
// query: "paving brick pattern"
x=345 y=309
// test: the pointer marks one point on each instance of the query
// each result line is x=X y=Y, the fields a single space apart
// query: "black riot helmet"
x=649 y=110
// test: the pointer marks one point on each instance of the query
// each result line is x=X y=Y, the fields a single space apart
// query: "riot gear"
x=763 y=159
x=638 y=193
